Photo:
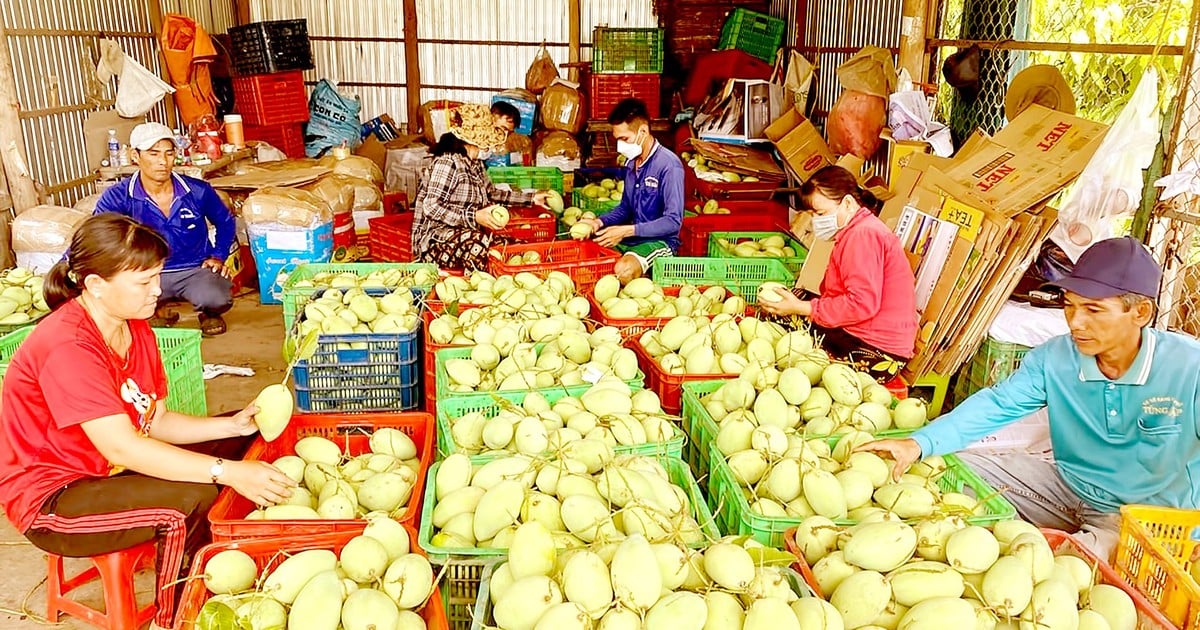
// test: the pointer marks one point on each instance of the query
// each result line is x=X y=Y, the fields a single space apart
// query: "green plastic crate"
x=295 y=297
x=180 y=350
x=677 y=471
x=627 y=50
x=527 y=177
x=491 y=406
x=793 y=263
x=755 y=33
x=464 y=352
x=734 y=515
x=701 y=428
x=992 y=363
x=740 y=275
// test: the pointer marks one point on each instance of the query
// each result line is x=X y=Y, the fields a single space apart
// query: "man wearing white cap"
x=180 y=209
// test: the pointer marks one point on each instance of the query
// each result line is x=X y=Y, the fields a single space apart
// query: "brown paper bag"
x=541 y=72
x=870 y=71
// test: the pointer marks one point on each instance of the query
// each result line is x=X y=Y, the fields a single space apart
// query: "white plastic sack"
x=138 y=89
x=1111 y=184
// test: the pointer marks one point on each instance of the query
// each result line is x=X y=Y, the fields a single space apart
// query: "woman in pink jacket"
x=866 y=312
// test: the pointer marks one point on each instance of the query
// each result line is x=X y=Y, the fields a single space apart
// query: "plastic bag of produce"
x=541 y=72
x=45 y=229
x=286 y=206
x=354 y=166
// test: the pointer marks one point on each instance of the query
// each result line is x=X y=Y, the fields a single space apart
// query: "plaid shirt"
x=452 y=189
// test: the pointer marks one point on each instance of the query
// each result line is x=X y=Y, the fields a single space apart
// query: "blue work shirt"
x=184 y=228
x=1134 y=439
x=652 y=200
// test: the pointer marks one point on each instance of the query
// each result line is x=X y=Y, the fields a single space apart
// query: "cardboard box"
x=1028 y=161
x=95 y=133
x=800 y=144
x=900 y=152
x=756 y=104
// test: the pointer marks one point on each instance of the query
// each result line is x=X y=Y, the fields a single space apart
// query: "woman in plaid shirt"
x=451 y=228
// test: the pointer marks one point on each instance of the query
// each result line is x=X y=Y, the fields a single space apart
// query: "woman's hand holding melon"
x=260 y=482
x=776 y=299
x=904 y=452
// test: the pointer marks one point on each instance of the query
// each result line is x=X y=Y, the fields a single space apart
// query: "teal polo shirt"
x=1135 y=439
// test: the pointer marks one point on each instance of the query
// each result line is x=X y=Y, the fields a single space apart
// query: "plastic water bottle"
x=114 y=148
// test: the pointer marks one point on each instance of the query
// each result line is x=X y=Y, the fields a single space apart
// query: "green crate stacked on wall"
x=992 y=363
x=627 y=50
x=754 y=33
x=180 y=350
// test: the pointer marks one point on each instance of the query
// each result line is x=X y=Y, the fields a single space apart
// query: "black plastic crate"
x=276 y=46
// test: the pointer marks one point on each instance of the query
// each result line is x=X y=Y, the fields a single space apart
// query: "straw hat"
x=1039 y=84
x=473 y=124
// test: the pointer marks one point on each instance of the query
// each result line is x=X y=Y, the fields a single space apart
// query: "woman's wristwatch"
x=218 y=469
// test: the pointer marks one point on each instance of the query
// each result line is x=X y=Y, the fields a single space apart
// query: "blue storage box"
x=279 y=249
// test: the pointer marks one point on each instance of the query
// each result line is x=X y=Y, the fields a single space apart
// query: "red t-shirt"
x=869 y=290
x=62 y=376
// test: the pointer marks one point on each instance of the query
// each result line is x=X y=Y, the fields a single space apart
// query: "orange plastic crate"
x=529 y=225
x=1154 y=553
x=584 y=261
x=349 y=431
x=391 y=237
x=669 y=387
x=1149 y=617
x=268 y=553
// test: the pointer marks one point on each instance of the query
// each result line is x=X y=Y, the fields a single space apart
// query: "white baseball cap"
x=148 y=134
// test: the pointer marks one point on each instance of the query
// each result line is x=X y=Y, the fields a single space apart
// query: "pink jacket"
x=869 y=289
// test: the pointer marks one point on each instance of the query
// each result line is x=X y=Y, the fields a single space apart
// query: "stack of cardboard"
x=974 y=223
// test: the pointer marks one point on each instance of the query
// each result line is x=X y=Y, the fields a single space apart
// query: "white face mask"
x=631 y=150
x=484 y=155
x=825 y=226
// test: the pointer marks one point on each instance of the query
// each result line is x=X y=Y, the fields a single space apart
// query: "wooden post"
x=154 y=10
x=912 y=39
x=574 y=15
x=241 y=12
x=12 y=142
x=412 y=65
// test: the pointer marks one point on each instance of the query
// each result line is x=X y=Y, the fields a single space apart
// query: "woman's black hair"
x=834 y=183
x=103 y=245
x=449 y=144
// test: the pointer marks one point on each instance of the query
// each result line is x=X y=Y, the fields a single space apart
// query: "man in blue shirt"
x=645 y=223
x=1123 y=401
x=180 y=209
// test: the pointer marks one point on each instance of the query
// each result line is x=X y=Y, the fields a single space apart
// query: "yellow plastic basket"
x=1153 y=555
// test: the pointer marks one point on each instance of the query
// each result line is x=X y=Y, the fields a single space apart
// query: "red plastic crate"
x=268 y=553
x=271 y=99
x=1149 y=618
x=609 y=89
x=529 y=225
x=391 y=237
x=669 y=387
x=287 y=137
x=584 y=261
x=746 y=216
x=351 y=433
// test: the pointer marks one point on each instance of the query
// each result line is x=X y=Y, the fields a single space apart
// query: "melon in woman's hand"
x=274 y=404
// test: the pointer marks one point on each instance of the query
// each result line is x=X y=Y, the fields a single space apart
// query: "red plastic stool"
x=116 y=571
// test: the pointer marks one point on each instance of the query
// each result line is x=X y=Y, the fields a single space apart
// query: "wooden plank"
x=1110 y=49
x=154 y=9
x=241 y=12
x=412 y=65
x=574 y=15
x=12 y=142
x=912 y=38
x=76 y=32
x=65 y=109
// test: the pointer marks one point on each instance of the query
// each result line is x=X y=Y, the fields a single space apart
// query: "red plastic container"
x=696 y=188
x=1149 y=618
x=584 y=261
x=287 y=137
x=745 y=216
x=529 y=225
x=711 y=70
x=391 y=237
x=609 y=89
x=349 y=431
x=268 y=553
x=271 y=99
x=669 y=387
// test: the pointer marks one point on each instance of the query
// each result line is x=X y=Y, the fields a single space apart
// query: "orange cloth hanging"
x=188 y=50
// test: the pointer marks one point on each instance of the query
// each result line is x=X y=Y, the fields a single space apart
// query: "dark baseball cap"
x=1113 y=267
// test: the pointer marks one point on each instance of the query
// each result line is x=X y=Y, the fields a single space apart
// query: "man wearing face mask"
x=645 y=224
x=866 y=313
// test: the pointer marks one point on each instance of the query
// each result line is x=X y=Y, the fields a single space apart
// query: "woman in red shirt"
x=867 y=312
x=88 y=457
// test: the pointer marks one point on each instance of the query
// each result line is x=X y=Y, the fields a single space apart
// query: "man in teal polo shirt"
x=1122 y=399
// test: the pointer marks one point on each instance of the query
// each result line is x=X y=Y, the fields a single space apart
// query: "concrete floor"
x=254 y=340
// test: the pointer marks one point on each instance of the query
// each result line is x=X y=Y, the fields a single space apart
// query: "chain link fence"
x=1174 y=233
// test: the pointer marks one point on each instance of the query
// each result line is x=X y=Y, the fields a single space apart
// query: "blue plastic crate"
x=383 y=376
